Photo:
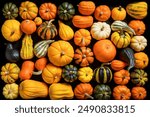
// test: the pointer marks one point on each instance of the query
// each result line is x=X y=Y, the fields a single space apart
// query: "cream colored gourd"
x=100 y=30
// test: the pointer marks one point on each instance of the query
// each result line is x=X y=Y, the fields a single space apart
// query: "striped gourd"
x=103 y=74
x=137 y=10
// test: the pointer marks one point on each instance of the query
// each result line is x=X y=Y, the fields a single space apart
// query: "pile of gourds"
x=77 y=60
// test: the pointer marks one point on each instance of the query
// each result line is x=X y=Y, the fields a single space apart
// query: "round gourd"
x=38 y=21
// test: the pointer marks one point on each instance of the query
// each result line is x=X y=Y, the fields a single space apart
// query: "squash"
x=138 y=43
x=40 y=64
x=102 y=13
x=11 y=30
x=141 y=60
x=47 y=30
x=104 y=50
x=10 y=10
x=85 y=74
x=100 y=30
x=118 y=13
x=38 y=21
x=122 y=77
x=66 y=11
x=139 y=77
x=86 y=7
x=121 y=92
x=28 y=10
x=47 y=11
x=83 y=56
x=26 y=51
x=10 y=72
x=31 y=89
x=80 y=21
x=60 y=91
x=60 y=53
x=117 y=65
x=65 y=32
x=137 y=10
x=138 y=26
x=83 y=91
x=10 y=91
x=51 y=74
x=138 y=93
x=70 y=73
x=102 y=92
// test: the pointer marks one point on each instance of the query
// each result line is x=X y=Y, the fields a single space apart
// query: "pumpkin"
x=11 y=30
x=138 y=93
x=138 y=43
x=60 y=91
x=118 y=13
x=80 y=21
x=139 y=77
x=38 y=21
x=28 y=10
x=83 y=91
x=138 y=26
x=85 y=74
x=10 y=10
x=10 y=91
x=86 y=7
x=47 y=11
x=120 y=39
x=51 y=74
x=65 y=32
x=137 y=10
x=70 y=73
x=83 y=56
x=102 y=92
x=47 y=30
x=82 y=37
x=102 y=13
x=104 y=50
x=31 y=89
x=66 y=11
x=141 y=60
x=122 y=77
x=100 y=30
x=60 y=53
x=121 y=92
x=10 y=72
x=117 y=65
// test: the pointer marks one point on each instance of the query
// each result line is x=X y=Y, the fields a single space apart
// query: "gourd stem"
x=119 y=8
x=49 y=23
x=37 y=73
x=103 y=64
x=89 y=96
x=50 y=41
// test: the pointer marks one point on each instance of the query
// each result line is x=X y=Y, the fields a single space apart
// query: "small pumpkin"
x=38 y=21
x=117 y=65
x=83 y=56
x=83 y=91
x=10 y=72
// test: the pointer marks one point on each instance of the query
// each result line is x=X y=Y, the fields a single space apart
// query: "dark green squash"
x=66 y=11
x=102 y=92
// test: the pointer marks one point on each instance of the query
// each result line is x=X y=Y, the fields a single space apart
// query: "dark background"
x=110 y=3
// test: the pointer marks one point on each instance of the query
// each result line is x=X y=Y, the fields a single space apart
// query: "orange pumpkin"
x=117 y=65
x=82 y=37
x=47 y=11
x=102 y=13
x=38 y=21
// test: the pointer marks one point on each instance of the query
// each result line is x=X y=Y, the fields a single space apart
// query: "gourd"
x=65 y=31
x=70 y=73
x=85 y=74
x=60 y=91
x=10 y=72
x=83 y=91
x=66 y=11
x=28 y=10
x=117 y=65
x=31 y=89
x=10 y=10
x=10 y=91
x=11 y=30
x=38 y=21
x=83 y=56
x=137 y=10
x=47 y=30
x=26 y=51
x=60 y=53
x=102 y=92
x=100 y=30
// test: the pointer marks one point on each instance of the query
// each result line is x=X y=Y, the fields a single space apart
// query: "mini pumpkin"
x=38 y=21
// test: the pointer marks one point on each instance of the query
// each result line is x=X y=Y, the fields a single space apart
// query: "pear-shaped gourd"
x=65 y=31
